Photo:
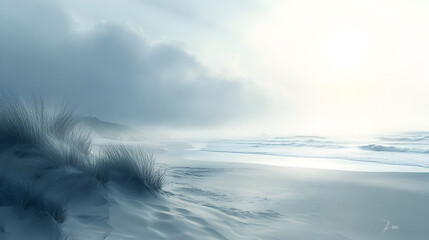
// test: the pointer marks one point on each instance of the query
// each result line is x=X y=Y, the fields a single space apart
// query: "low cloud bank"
x=111 y=71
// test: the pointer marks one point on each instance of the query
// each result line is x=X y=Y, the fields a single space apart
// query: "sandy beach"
x=303 y=203
x=214 y=120
x=207 y=199
x=64 y=185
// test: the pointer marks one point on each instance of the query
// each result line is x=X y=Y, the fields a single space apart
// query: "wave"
x=299 y=144
x=299 y=136
x=276 y=143
x=405 y=139
x=382 y=148
x=339 y=157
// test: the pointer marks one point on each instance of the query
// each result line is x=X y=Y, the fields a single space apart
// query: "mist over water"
x=403 y=149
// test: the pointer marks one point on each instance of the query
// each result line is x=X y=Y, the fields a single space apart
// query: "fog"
x=258 y=66
x=112 y=71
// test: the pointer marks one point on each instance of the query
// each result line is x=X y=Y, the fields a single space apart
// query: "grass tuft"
x=29 y=122
x=54 y=134
x=22 y=196
x=124 y=163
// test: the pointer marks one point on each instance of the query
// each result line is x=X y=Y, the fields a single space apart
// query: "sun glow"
x=345 y=49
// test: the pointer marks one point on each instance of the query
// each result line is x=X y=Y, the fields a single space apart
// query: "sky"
x=251 y=66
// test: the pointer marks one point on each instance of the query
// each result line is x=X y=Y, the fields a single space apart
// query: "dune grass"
x=61 y=144
x=122 y=163
x=29 y=122
x=22 y=196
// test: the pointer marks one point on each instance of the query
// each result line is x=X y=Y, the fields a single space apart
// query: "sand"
x=223 y=200
x=304 y=203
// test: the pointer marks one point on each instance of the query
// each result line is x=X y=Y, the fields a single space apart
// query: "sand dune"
x=218 y=200
x=56 y=184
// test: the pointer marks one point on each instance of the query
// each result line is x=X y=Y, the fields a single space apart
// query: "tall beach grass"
x=53 y=133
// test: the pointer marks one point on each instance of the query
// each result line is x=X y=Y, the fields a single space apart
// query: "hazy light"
x=345 y=49
x=325 y=66
x=344 y=66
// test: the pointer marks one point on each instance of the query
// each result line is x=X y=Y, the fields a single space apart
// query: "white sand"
x=303 y=203
x=219 y=200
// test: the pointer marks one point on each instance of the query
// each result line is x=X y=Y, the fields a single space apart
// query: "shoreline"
x=291 y=161
x=306 y=203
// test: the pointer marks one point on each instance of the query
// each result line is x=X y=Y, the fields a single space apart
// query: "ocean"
x=399 y=151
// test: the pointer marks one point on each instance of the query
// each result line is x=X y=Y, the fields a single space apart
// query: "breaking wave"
x=405 y=139
x=382 y=148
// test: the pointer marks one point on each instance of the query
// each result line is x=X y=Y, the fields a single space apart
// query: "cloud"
x=111 y=71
